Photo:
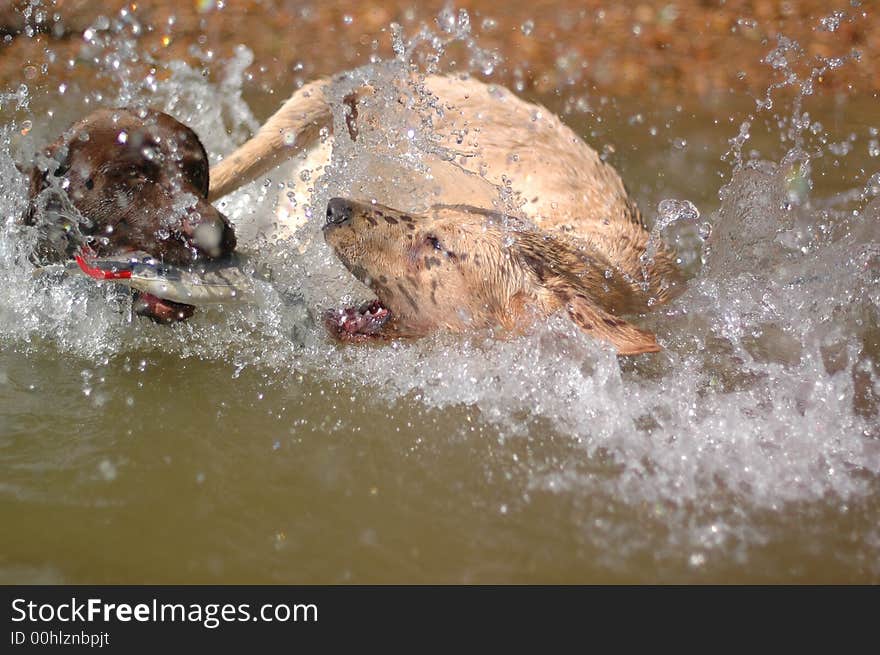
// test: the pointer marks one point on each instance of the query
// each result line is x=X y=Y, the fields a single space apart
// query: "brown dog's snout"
x=339 y=211
x=209 y=231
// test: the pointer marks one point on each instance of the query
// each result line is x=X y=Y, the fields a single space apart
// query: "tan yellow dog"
x=516 y=217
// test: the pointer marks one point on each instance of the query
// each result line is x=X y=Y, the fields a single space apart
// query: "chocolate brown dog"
x=124 y=180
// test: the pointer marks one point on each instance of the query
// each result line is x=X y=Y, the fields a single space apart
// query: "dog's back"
x=556 y=180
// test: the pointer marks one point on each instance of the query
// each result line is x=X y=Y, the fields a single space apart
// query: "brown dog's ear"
x=37 y=182
x=580 y=282
x=53 y=161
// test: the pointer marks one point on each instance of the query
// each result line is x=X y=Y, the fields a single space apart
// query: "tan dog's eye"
x=434 y=242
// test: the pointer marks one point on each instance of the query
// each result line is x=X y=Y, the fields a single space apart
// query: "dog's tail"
x=295 y=127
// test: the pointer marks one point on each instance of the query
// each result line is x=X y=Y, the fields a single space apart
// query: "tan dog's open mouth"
x=357 y=323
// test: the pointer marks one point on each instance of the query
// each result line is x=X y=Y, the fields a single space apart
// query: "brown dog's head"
x=459 y=267
x=126 y=180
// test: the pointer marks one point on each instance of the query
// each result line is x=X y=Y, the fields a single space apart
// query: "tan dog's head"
x=458 y=267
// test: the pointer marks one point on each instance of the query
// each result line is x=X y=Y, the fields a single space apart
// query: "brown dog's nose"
x=208 y=231
x=338 y=211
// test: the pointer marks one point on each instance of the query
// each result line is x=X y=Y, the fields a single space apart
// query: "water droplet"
x=107 y=470
x=446 y=19
x=672 y=211
x=832 y=22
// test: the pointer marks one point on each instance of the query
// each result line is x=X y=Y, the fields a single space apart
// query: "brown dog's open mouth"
x=160 y=309
x=145 y=304
x=354 y=324
x=167 y=293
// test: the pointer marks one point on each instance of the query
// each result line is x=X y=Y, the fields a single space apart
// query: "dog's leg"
x=295 y=127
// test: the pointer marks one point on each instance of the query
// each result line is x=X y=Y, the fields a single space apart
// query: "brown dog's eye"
x=90 y=184
x=136 y=175
x=434 y=242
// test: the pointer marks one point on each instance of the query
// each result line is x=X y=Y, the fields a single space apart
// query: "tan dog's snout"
x=339 y=211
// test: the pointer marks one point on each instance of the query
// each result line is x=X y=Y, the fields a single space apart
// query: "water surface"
x=244 y=446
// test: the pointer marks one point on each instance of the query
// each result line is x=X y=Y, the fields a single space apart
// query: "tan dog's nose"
x=339 y=211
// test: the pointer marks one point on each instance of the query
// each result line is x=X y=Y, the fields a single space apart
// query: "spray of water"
x=766 y=393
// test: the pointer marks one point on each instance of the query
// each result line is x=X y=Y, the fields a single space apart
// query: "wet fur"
x=462 y=268
x=579 y=243
x=125 y=180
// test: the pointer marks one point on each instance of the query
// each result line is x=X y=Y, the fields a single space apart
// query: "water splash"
x=766 y=393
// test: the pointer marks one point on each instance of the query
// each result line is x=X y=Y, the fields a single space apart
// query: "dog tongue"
x=161 y=310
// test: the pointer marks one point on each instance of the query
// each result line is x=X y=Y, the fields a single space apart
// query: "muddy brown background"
x=708 y=48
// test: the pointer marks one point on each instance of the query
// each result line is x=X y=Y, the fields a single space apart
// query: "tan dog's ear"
x=626 y=337
x=579 y=283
